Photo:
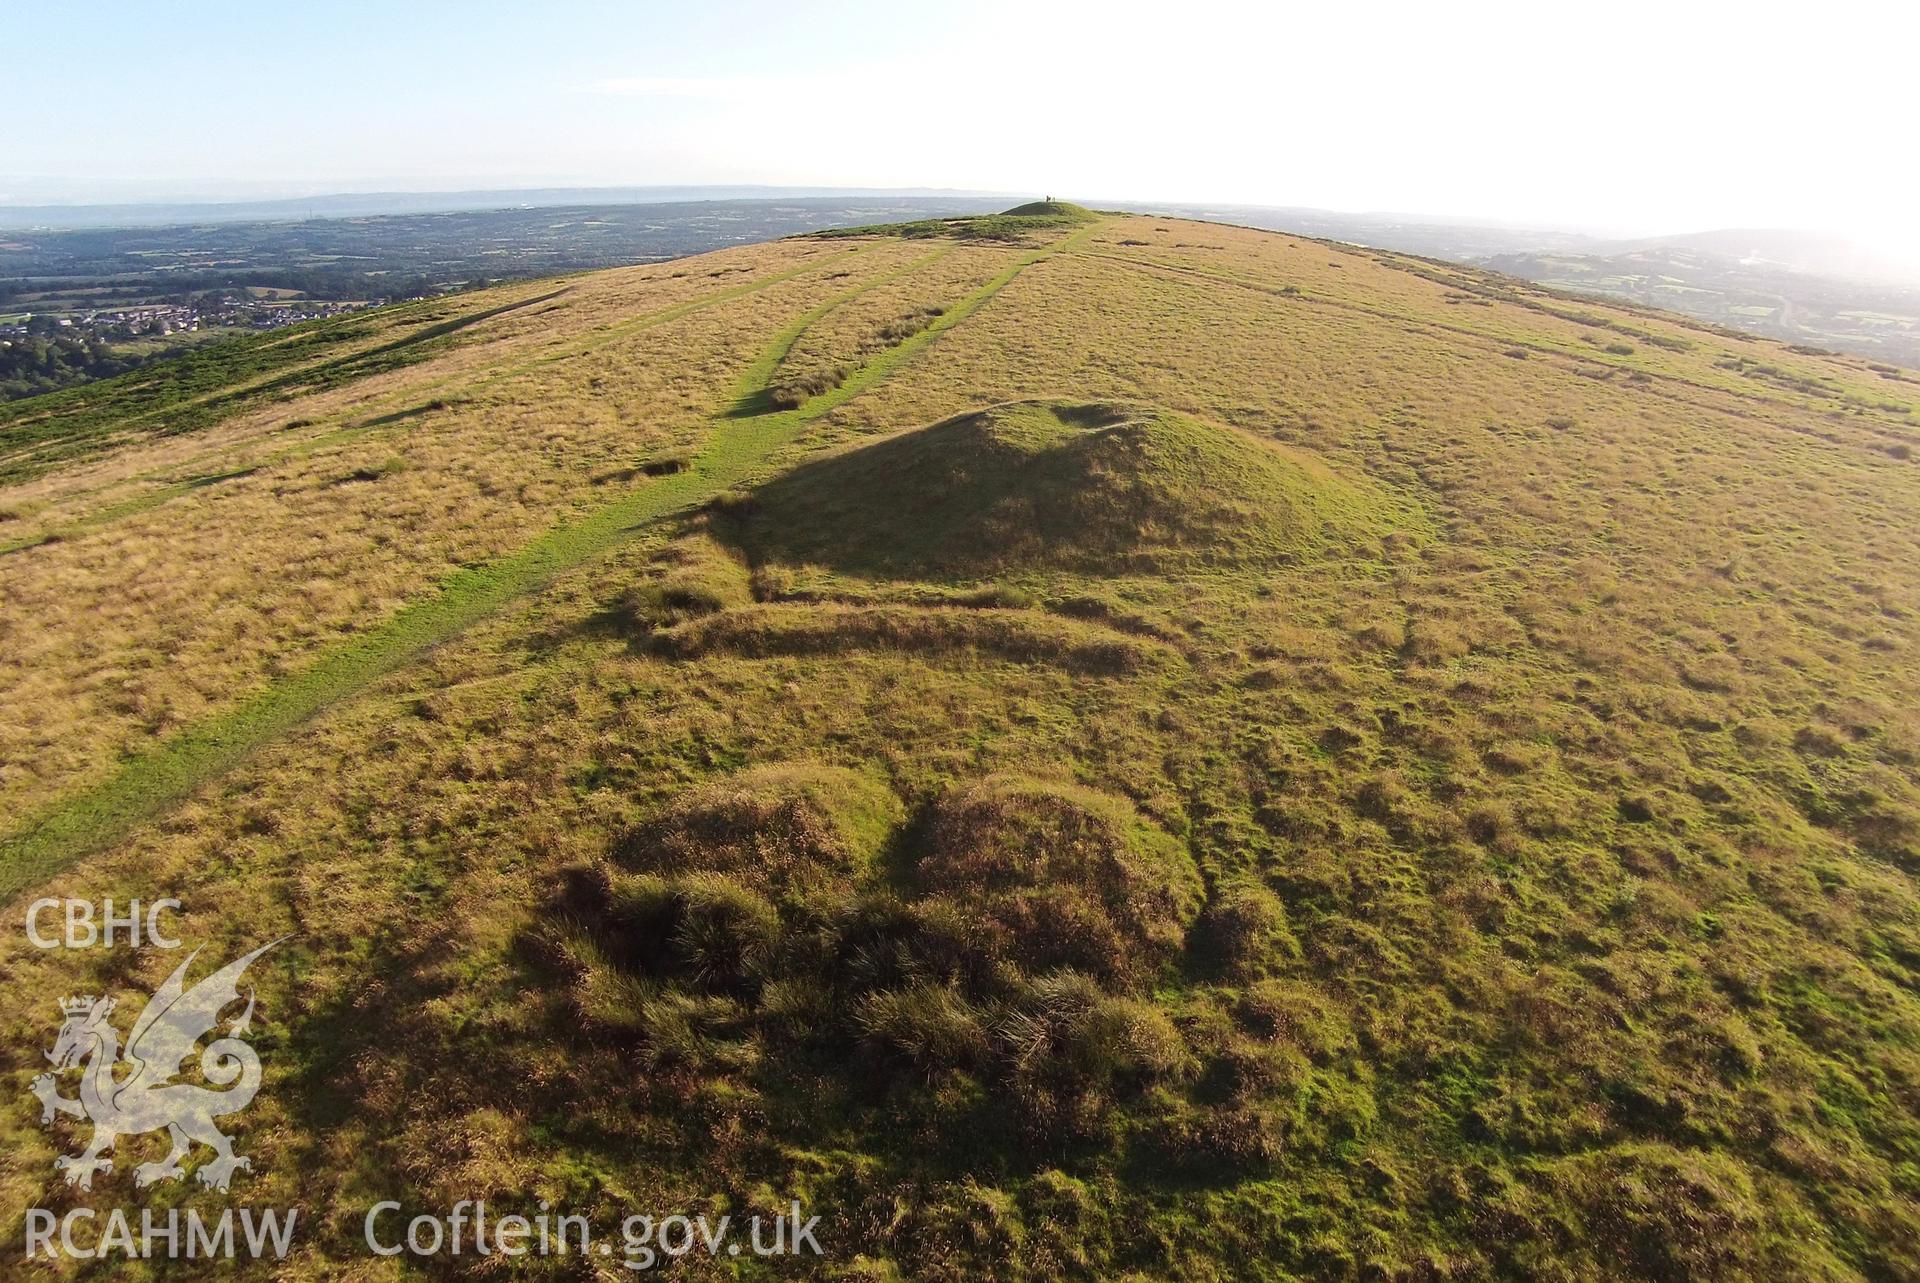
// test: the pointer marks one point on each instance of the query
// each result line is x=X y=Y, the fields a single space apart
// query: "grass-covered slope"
x=1135 y=749
x=1100 y=488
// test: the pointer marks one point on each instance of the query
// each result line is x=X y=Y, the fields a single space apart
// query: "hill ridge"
x=1185 y=751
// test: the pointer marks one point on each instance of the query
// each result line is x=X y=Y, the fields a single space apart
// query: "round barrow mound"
x=1094 y=488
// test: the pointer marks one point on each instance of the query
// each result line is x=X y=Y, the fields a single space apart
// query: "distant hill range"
x=378 y=204
x=1745 y=290
x=1806 y=288
x=1805 y=253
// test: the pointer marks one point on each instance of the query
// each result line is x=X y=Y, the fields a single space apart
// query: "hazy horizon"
x=214 y=194
x=1659 y=121
x=27 y=191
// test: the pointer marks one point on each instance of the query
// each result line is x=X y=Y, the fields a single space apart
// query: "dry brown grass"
x=1569 y=850
x=118 y=634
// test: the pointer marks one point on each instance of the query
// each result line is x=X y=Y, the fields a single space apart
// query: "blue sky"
x=1635 y=117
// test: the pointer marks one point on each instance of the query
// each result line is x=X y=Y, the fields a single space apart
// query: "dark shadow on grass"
x=36 y=541
x=215 y=478
x=961 y=497
x=401 y=416
x=753 y=405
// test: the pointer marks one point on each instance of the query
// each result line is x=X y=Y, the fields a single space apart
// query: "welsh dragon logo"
x=148 y=1097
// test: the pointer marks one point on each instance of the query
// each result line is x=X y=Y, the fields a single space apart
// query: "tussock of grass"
x=899 y=330
x=1075 y=879
x=793 y=391
x=694 y=575
x=778 y=825
x=667 y=462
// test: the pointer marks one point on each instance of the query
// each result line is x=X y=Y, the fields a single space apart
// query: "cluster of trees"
x=35 y=364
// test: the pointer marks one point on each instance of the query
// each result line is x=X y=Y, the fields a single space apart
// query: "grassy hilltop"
x=1078 y=746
